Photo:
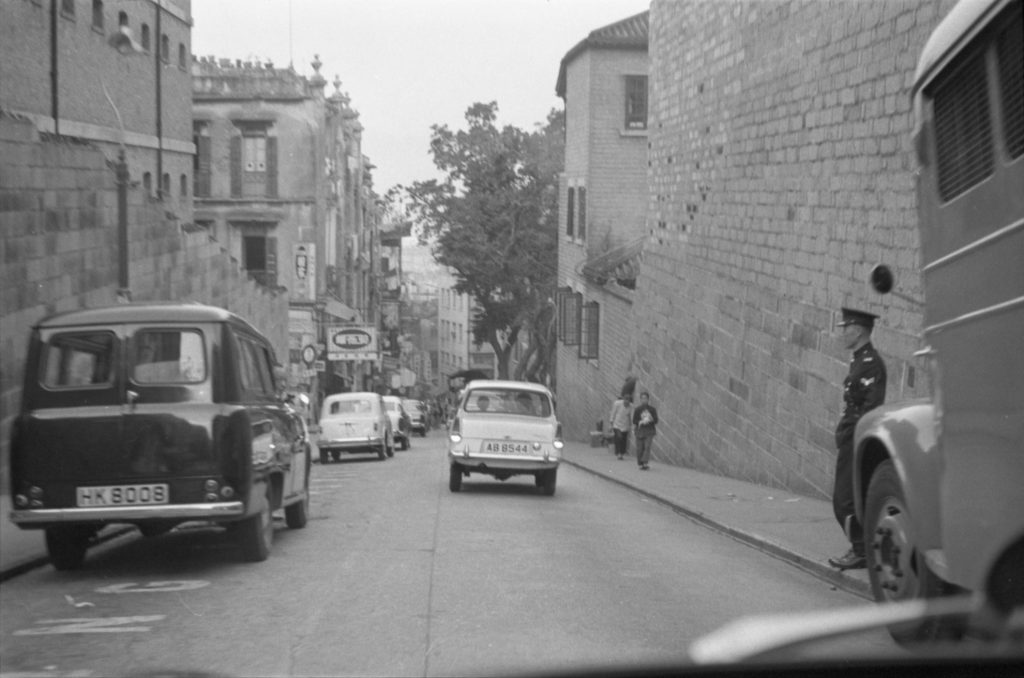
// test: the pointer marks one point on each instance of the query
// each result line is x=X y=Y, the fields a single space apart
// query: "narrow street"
x=394 y=575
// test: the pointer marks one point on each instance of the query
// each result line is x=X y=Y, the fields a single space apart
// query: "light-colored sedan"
x=502 y=429
x=400 y=422
x=354 y=423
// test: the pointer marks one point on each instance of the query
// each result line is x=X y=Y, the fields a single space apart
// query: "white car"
x=400 y=422
x=502 y=429
x=354 y=423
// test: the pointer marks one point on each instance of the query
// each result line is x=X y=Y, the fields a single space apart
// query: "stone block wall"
x=58 y=251
x=781 y=171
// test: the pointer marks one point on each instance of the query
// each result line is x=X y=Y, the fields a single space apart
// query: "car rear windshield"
x=508 y=401
x=354 y=406
x=78 y=360
x=168 y=357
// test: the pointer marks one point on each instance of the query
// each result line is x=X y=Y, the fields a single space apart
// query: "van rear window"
x=79 y=359
x=168 y=357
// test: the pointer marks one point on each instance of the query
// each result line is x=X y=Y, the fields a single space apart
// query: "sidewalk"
x=794 y=528
x=797 y=529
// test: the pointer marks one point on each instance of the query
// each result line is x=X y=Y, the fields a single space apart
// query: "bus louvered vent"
x=963 y=132
x=1011 y=75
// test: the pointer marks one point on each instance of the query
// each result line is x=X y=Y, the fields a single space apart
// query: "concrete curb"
x=30 y=563
x=819 y=570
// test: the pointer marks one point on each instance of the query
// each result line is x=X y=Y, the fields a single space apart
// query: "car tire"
x=896 y=568
x=297 y=515
x=548 y=481
x=324 y=456
x=66 y=546
x=455 y=478
x=256 y=534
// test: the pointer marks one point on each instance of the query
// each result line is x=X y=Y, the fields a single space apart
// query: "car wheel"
x=66 y=546
x=297 y=515
x=324 y=456
x=455 y=478
x=256 y=534
x=895 y=566
x=548 y=480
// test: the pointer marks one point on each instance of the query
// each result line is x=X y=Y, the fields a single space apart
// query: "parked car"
x=401 y=424
x=505 y=428
x=356 y=423
x=417 y=416
x=154 y=415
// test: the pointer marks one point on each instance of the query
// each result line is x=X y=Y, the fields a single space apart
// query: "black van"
x=154 y=414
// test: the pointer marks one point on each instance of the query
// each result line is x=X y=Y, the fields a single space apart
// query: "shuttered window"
x=570 y=213
x=963 y=129
x=590 y=325
x=254 y=161
x=582 y=223
x=570 y=320
x=201 y=163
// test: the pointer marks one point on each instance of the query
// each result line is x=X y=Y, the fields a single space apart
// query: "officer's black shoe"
x=851 y=560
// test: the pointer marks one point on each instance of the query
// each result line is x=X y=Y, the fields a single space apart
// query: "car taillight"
x=455 y=433
x=558 y=443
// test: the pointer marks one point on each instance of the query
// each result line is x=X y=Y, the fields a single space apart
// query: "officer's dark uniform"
x=863 y=390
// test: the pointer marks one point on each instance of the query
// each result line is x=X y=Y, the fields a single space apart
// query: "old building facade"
x=603 y=83
x=281 y=181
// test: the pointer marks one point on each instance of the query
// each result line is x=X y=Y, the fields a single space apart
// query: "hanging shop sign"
x=352 y=342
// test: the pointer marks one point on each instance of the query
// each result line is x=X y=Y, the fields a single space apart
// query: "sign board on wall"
x=352 y=342
x=304 y=273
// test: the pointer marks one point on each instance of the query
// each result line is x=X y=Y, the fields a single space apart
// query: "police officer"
x=863 y=390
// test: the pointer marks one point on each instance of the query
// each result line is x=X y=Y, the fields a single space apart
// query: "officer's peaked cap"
x=852 y=316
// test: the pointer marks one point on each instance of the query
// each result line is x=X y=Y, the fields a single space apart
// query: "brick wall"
x=58 y=249
x=781 y=171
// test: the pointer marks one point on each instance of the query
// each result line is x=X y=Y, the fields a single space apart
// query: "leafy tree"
x=493 y=220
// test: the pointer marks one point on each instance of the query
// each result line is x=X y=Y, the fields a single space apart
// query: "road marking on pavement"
x=91 y=625
x=155 y=586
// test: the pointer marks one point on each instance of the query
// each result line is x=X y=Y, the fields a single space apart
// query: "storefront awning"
x=340 y=311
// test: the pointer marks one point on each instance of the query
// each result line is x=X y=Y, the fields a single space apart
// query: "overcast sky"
x=409 y=64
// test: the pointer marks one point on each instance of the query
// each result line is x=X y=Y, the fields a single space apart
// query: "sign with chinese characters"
x=304 y=272
x=352 y=342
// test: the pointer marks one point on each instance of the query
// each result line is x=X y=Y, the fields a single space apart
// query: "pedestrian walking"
x=621 y=420
x=863 y=390
x=645 y=420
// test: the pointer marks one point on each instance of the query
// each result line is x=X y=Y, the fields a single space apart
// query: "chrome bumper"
x=116 y=514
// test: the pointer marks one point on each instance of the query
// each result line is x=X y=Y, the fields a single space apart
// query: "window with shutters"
x=581 y=222
x=570 y=213
x=570 y=319
x=254 y=162
x=636 y=102
x=563 y=292
x=589 y=329
x=201 y=160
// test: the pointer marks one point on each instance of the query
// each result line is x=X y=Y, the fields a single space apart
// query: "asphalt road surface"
x=396 y=576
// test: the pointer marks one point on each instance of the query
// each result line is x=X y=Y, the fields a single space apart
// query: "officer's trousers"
x=842 y=491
